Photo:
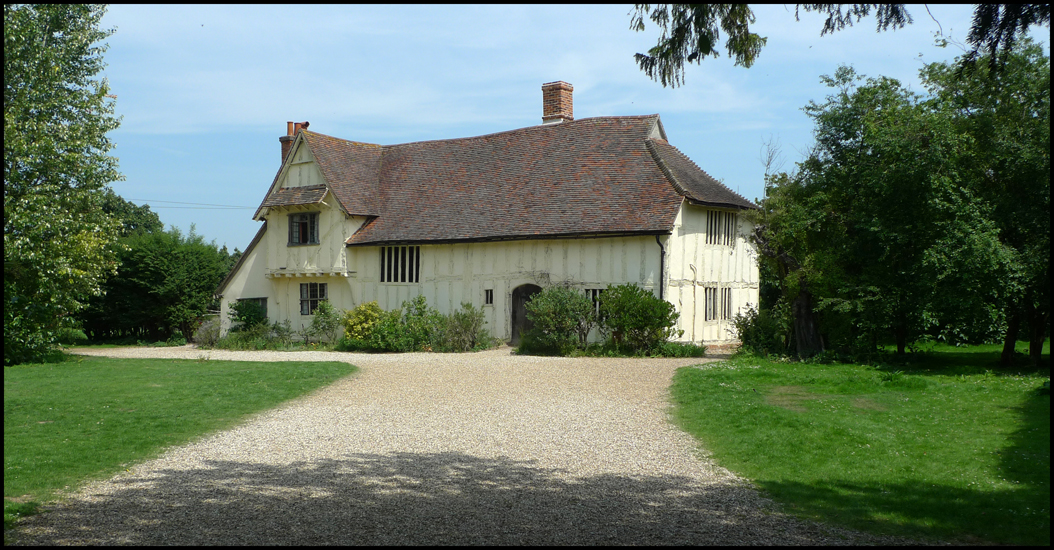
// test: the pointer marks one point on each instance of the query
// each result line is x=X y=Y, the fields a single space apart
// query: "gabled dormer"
x=307 y=222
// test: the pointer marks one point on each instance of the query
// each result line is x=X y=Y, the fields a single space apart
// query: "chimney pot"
x=557 y=102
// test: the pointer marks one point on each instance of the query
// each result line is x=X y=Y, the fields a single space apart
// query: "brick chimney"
x=291 y=129
x=557 y=105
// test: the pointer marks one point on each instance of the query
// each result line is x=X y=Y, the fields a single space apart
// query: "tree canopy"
x=692 y=32
x=918 y=215
x=164 y=284
x=134 y=219
x=59 y=245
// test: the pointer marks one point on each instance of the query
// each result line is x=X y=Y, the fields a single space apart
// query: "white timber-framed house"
x=492 y=219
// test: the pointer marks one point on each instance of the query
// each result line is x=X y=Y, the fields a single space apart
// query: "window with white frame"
x=720 y=228
x=400 y=264
x=310 y=295
x=303 y=228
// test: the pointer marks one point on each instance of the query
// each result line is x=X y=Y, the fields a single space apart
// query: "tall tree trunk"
x=806 y=332
x=1037 y=328
x=1010 y=338
x=901 y=333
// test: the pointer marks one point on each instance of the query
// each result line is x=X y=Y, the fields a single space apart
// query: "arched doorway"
x=520 y=324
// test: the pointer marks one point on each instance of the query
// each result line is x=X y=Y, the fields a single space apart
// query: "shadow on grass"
x=940 y=512
x=969 y=361
x=404 y=498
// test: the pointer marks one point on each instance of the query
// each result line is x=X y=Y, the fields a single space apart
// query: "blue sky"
x=205 y=91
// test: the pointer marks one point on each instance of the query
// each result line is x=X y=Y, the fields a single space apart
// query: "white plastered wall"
x=693 y=265
x=456 y=273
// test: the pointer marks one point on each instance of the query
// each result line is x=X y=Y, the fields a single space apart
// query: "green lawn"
x=944 y=445
x=87 y=417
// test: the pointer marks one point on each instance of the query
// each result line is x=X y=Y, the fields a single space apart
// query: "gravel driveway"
x=422 y=448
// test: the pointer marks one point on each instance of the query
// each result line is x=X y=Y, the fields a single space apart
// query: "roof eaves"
x=581 y=235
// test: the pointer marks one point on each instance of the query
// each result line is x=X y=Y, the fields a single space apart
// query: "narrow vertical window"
x=488 y=297
x=726 y=303
x=720 y=228
x=710 y=303
x=400 y=264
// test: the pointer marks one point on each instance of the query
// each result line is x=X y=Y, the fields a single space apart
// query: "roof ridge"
x=502 y=132
x=308 y=133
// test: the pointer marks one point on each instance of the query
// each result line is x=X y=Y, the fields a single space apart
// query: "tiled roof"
x=595 y=176
x=692 y=181
x=288 y=196
x=351 y=170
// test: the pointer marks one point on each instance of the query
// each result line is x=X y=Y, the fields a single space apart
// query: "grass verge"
x=86 y=418
x=942 y=446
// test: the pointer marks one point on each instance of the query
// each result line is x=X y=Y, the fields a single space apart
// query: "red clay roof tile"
x=595 y=176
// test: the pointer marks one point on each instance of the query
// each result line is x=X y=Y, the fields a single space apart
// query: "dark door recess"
x=520 y=324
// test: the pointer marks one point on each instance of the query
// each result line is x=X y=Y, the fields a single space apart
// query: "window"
x=594 y=295
x=400 y=264
x=488 y=297
x=720 y=228
x=714 y=309
x=303 y=229
x=310 y=295
x=710 y=305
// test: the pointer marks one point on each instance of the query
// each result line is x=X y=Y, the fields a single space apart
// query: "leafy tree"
x=59 y=245
x=691 y=32
x=134 y=219
x=1007 y=116
x=880 y=223
x=165 y=282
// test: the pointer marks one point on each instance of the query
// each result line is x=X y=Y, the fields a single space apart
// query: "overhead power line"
x=194 y=205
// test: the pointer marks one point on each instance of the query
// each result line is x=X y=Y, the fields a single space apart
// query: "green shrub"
x=562 y=320
x=325 y=321
x=413 y=327
x=71 y=336
x=208 y=332
x=636 y=320
x=359 y=321
x=258 y=337
x=389 y=334
x=423 y=324
x=681 y=349
x=463 y=330
x=761 y=332
x=245 y=314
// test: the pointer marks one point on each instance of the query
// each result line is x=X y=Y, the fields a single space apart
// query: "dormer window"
x=303 y=229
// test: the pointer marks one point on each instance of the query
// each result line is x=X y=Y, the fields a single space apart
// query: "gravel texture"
x=422 y=448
